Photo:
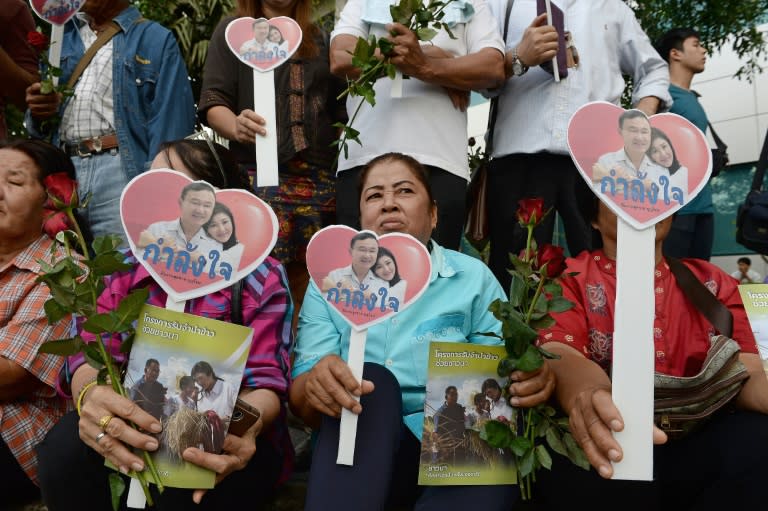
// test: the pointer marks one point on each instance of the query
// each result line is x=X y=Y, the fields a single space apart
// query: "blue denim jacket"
x=152 y=97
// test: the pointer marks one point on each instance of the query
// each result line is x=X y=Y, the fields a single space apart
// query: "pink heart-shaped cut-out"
x=331 y=261
x=152 y=213
x=56 y=12
x=637 y=183
x=255 y=41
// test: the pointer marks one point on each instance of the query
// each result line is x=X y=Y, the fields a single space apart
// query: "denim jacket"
x=152 y=97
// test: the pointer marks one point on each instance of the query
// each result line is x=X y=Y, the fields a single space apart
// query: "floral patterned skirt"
x=304 y=202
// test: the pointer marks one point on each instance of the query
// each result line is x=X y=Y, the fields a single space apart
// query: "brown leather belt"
x=90 y=146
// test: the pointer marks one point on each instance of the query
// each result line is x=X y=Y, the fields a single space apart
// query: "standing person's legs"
x=348 y=198
x=102 y=176
x=450 y=193
x=572 y=191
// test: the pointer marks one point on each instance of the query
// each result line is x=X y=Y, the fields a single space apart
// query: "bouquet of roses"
x=534 y=293
x=424 y=19
x=75 y=287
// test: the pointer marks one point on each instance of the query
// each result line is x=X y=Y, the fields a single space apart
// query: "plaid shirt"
x=267 y=309
x=23 y=328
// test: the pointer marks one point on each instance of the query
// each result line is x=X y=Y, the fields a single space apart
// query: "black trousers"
x=73 y=477
x=722 y=466
x=691 y=236
x=20 y=488
x=385 y=470
x=552 y=177
x=449 y=191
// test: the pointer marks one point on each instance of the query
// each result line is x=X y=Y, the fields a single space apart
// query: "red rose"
x=55 y=222
x=553 y=258
x=62 y=190
x=37 y=40
x=530 y=211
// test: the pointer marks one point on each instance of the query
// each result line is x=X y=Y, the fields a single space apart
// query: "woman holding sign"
x=73 y=474
x=307 y=108
x=723 y=464
x=395 y=198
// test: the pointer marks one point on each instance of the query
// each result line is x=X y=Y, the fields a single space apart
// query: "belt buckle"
x=82 y=149
x=96 y=144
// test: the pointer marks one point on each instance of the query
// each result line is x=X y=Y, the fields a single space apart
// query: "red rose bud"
x=56 y=222
x=527 y=255
x=37 y=40
x=61 y=189
x=552 y=256
x=530 y=211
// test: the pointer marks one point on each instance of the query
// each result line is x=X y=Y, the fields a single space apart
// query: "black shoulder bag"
x=752 y=217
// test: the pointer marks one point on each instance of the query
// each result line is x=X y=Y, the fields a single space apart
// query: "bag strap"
x=493 y=111
x=762 y=163
x=103 y=38
x=701 y=298
x=236 y=303
x=718 y=141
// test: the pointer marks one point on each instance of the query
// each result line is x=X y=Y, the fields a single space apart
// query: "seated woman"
x=72 y=456
x=723 y=464
x=395 y=197
x=29 y=406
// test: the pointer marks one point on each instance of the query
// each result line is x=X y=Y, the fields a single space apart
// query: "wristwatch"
x=518 y=68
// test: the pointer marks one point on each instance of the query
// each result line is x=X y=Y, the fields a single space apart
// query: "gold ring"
x=100 y=436
x=104 y=421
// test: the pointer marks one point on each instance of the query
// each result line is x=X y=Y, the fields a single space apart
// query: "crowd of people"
x=131 y=111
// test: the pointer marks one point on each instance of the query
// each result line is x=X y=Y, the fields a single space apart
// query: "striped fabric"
x=267 y=308
x=23 y=328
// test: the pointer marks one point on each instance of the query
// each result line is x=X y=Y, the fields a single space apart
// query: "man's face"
x=694 y=55
x=261 y=31
x=364 y=254
x=452 y=396
x=743 y=267
x=636 y=133
x=152 y=372
x=196 y=208
x=492 y=393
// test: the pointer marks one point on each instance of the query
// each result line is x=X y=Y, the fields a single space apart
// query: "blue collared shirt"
x=454 y=308
x=152 y=97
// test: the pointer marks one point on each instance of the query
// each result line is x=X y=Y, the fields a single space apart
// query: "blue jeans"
x=103 y=177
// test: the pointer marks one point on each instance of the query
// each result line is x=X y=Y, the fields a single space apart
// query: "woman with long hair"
x=663 y=154
x=307 y=108
x=386 y=269
x=221 y=227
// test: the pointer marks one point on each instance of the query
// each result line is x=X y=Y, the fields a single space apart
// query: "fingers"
x=532 y=388
x=540 y=20
x=659 y=437
x=102 y=402
x=539 y=44
x=593 y=419
x=247 y=125
x=331 y=385
x=41 y=106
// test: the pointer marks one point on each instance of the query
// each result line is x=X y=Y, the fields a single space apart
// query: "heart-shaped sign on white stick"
x=264 y=44
x=56 y=12
x=192 y=238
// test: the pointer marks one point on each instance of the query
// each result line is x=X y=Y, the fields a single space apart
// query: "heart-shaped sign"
x=56 y=12
x=366 y=278
x=194 y=239
x=643 y=168
x=263 y=43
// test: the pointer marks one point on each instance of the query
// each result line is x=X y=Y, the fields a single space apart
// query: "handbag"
x=682 y=404
x=719 y=153
x=476 y=221
x=752 y=216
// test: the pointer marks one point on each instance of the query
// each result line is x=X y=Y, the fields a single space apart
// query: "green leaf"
x=497 y=434
x=531 y=359
x=559 y=304
x=100 y=323
x=525 y=466
x=116 y=489
x=129 y=307
x=54 y=311
x=506 y=366
x=445 y=27
x=520 y=445
x=391 y=71
x=555 y=443
x=62 y=347
x=105 y=244
x=102 y=377
x=575 y=454
x=543 y=457
x=517 y=290
x=426 y=34
x=544 y=321
x=548 y=354
x=93 y=354
x=553 y=288
x=127 y=343
x=108 y=263
x=514 y=329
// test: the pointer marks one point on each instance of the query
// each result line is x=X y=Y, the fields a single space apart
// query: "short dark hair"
x=186 y=381
x=151 y=361
x=673 y=40
x=48 y=158
x=490 y=383
x=479 y=398
x=450 y=388
x=745 y=260
x=631 y=114
x=197 y=186
x=360 y=236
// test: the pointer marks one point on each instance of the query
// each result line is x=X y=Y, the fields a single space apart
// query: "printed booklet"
x=456 y=406
x=185 y=370
x=755 y=299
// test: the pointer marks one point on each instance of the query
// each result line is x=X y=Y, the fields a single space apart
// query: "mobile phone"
x=243 y=417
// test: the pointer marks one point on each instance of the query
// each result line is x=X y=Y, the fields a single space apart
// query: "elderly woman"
x=721 y=465
x=395 y=197
x=29 y=406
x=249 y=466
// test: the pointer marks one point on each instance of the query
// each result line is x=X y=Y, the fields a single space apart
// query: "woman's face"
x=21 y=196
x=385 y=268
x=274 y=35
x=220 y=227
x=394 y=200
x=206 y=381
x=661 y=152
